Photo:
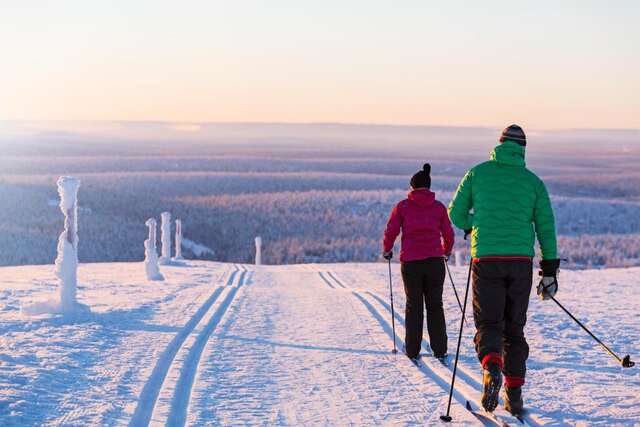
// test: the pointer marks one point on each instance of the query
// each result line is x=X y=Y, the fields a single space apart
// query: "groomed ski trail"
x=471 y=379
x=180 y=403
x=291 y=348
x=293 y=351
x=468 y=385
x=165 y=395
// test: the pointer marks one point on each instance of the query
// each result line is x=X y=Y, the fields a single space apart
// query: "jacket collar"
x=509 y=153
x=422 y=196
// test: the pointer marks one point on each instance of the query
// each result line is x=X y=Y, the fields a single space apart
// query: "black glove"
x=548 y=286
x=387 y=255
x=467 y=233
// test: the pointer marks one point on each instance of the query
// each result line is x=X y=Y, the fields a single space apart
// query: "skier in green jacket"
x=504 y=206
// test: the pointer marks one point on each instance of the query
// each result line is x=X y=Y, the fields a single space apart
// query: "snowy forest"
x=313 y=195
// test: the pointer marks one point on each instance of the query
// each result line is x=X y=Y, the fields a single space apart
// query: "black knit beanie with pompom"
x=422 y=179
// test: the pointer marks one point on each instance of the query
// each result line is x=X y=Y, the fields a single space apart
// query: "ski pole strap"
x=550 y=285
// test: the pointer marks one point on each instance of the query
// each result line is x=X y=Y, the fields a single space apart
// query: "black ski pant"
x=423 y=282
x=501 y=290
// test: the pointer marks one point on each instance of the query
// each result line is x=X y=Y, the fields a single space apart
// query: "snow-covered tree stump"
x=165 y=230
x=258 y=250
x=150 y=255
x=178 y=256
x=66 y=263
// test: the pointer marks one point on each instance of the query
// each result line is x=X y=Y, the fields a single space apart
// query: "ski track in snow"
x=171 y=380
x=223 y=344
x=463 y=392
x=286 y=356
x=86 y=371
x=180 y=403
x=433 y=370
x=566 y=369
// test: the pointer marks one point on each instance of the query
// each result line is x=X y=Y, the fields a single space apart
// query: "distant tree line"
x=318 y=209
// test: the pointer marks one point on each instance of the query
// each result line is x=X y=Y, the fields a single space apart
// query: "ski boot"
x=414 y=359
x=513 y=400
x=491 y=382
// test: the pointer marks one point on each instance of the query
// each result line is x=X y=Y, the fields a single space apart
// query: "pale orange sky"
x=547 y=65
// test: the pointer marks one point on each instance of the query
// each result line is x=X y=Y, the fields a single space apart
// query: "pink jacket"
x=426 y=229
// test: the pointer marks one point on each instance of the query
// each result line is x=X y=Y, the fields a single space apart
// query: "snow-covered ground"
x=225 y=344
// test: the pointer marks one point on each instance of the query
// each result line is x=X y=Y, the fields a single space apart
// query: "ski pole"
x=625 y=361
x=447 y=417
x=393 y=322
x=446 y=264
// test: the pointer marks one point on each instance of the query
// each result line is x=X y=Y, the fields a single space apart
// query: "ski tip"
x=445 y=418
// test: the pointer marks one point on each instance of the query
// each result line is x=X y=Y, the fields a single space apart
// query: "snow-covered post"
x=165 y=229
x=258 y=250
x=178 y=256
x=67 y=259
x=66 y=265
x=150 y=254
x=458 y=255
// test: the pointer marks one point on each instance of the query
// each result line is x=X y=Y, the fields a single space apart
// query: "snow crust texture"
x=227 y=344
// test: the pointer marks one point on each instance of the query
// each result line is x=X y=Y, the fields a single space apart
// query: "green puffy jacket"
x=510 y=206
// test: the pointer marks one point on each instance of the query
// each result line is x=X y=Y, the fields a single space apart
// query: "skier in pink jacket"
x=427 y=239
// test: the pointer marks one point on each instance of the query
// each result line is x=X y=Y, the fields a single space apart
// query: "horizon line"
x=310 y=123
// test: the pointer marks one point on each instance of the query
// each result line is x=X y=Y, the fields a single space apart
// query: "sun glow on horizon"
x=420 y=62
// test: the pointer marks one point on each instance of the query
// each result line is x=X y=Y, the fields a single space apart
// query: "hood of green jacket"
x=509 y=153
x=506 y=206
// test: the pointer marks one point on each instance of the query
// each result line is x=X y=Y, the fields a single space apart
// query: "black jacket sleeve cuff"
x=549 y=267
